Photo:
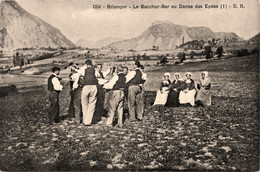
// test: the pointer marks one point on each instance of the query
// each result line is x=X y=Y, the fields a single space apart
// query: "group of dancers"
x=184 y=92
x=95 y=94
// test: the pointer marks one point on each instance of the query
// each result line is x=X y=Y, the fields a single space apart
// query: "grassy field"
x=224 y=136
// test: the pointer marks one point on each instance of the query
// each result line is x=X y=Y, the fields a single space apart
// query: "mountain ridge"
x=33 y=32
x=167 y=35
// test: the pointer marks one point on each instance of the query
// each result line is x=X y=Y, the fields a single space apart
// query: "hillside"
x=97 y=44
x=167 y=35
x=229 y=36
x=255 y=38
x=20 y=29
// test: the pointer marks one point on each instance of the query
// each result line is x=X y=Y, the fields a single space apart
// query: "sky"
x=77 y=19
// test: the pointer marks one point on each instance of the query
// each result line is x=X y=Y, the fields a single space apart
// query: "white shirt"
x=111 y=83
x=132 y=74
x=144 y=76
x=97 y=74
x=76 y=80
x=100 y=80
x=56 y=83
x=81 y=70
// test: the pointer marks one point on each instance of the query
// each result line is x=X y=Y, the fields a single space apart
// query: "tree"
x=181 y=56
x=145 y=57
x=208 y=51
x=163 y=60
x=192 y=53
x=138 y=57
x=220 y=51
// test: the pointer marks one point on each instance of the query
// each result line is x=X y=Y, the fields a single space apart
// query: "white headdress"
x=177 y=74
x=188 y=73
x=166 y=74
x=206 y=73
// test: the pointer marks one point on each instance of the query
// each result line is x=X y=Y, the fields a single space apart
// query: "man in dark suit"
x=55 y=87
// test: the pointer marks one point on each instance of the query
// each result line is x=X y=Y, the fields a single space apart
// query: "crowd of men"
x=96 y=94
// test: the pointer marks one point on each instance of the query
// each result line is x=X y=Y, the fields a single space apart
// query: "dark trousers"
x=99 y=112
x=54 y=108
x=77 y=105
x=107 y=97
x=71 y=113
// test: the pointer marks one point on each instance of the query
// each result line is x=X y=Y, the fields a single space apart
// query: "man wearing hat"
x=55 y=87
x=73 y=72
x=116 y=96
x=133 y=80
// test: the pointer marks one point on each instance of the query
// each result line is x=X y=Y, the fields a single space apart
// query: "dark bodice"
x=189 y=86
x=176 y=84
x=165 y=83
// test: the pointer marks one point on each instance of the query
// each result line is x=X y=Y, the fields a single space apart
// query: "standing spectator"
x=89 y=93
x=116 y=94
x=133 y=79
x=55 y=87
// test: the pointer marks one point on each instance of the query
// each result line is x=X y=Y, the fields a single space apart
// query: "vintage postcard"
x=97 y=85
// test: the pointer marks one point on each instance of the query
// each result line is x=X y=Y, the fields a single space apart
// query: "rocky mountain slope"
x=167 y=35
x=255 y=38
x=20 y=29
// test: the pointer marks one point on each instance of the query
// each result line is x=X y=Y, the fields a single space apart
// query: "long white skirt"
x=161 y=98
x=188 y=97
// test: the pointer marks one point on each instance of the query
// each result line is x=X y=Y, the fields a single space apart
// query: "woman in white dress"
x=187 y=95
x=204 y=86
x=162 y=94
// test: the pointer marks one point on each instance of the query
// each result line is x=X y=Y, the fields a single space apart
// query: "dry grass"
x=224 y=136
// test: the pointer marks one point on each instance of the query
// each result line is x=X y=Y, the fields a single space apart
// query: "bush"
x=243 y=52
x=181 y=56
x=255 y=51
x=164 y=60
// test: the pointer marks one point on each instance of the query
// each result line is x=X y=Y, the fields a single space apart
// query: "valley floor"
x=224 y=136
